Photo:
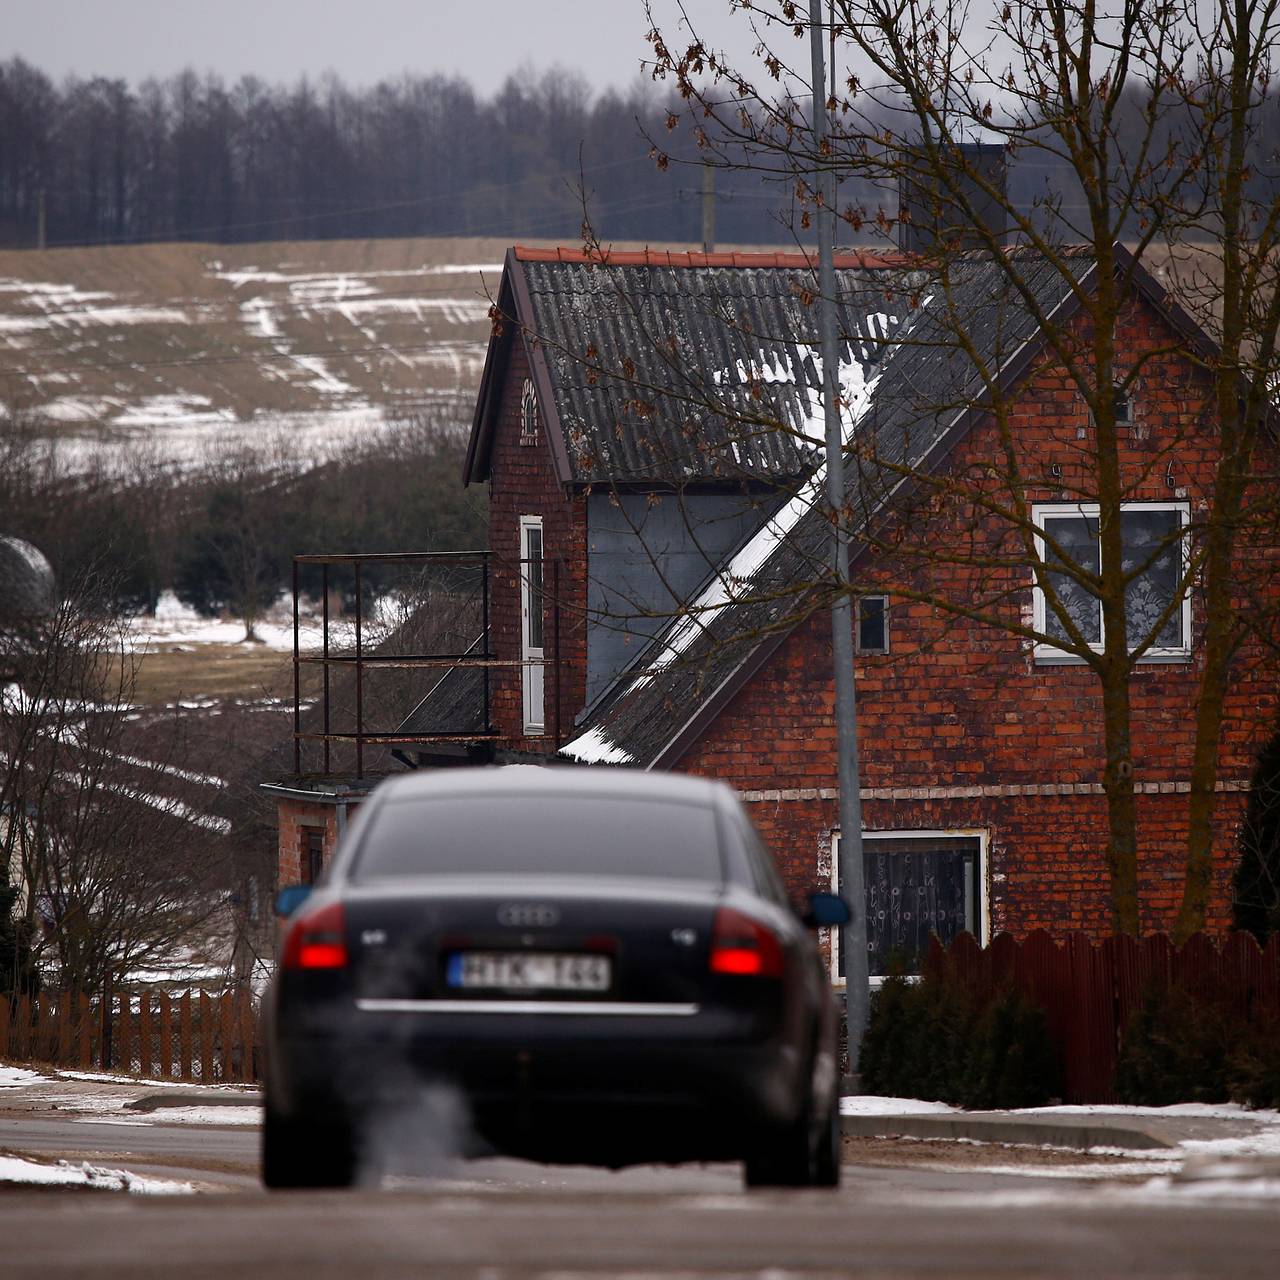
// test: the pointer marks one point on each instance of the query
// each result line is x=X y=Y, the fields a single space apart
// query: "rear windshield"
x=544 y=835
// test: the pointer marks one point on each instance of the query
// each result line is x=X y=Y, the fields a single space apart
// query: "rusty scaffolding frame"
x=361 y=661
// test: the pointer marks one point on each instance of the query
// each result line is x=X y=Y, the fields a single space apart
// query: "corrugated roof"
x=662 y=369
x=919 y=392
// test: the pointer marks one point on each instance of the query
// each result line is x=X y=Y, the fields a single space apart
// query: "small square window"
x=873 y=624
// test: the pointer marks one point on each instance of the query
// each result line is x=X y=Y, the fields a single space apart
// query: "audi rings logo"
x=527 y=915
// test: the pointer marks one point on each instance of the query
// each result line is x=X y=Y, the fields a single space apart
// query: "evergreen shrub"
x=1183 y=1046
x=1255 y=889
x=936 y=1039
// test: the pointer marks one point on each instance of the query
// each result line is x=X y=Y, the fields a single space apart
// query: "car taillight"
x=741 y=945
x=317 y=941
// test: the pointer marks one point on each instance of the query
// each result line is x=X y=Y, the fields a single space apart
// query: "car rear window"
x=545 y=835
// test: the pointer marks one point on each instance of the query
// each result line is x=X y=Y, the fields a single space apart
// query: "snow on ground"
x=108 y=1077
x=176 y=624
x=1165 y=1192
x=1239 y=1166
x=190 y=1115
x=871 y=1105
x=1191 y=1110
x=321 y=356
x=17 y=1077
x=66 y=1174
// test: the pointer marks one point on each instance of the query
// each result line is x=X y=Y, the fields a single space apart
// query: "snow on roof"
x=593 y=747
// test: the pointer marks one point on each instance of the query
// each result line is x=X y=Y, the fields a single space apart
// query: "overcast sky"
x=362 y=40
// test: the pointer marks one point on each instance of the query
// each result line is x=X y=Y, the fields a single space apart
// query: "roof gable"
x=661 y=369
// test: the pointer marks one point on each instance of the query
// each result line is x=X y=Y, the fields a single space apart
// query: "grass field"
x=248 y=672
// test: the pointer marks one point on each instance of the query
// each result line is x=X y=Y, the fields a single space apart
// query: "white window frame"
x=533 y=687
x=1052 y=654
x=982 y=923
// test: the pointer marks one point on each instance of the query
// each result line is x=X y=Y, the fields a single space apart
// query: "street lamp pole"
x=854 y=941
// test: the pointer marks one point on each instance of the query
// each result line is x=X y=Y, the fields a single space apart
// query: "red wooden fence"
x=150 y=1034
x=1089 y=989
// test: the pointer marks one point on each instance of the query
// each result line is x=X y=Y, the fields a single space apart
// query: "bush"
x=1172 y=1050
x=935 y=1039
x=1255 y=897
x=1011 y=1062
x=1183 y=1047
x=1255 y=1067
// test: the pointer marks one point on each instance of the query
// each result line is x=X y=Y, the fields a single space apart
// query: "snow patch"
x=170 y=410
x=17 y=1078
x=205 y=1115
x=593 y=747
x=872 y=1105
x=94 y=1177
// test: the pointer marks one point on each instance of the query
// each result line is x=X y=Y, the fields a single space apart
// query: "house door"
x=918 y=884
x=531 y=643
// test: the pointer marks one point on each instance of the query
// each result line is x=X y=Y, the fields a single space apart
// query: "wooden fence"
x=202 y=1037
x=1090 y=989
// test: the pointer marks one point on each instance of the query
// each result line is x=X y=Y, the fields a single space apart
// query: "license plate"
x=527 y=971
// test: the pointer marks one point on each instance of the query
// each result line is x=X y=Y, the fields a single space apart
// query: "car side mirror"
x=828 y=909
x=290 y=898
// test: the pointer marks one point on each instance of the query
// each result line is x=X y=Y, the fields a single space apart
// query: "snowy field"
x=186 y=349
x=175 y=625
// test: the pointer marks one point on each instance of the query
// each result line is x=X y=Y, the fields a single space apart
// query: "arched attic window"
x=528 y=414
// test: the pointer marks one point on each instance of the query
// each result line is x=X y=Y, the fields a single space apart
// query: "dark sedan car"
x=599 y=966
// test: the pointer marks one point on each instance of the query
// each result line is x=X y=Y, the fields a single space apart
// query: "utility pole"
x=708 y=207
x=40 y=221
x=854 y=942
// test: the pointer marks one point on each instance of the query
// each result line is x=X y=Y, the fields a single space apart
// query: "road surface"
x=508 y=1220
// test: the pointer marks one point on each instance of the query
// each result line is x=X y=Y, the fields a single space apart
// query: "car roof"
x=568 y=782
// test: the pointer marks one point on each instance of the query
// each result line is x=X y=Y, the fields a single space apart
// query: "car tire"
x=781 y=1158
x=299 y=1153
x=826 y=1159
x=800 y=1156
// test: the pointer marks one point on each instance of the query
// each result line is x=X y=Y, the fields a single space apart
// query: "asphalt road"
x=495 y=1220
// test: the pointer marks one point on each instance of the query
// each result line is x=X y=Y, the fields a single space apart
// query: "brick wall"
x=523 y=482
x=294 y=818
x=959 y=727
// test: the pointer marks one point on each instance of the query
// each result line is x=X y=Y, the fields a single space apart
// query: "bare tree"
x=116 y=871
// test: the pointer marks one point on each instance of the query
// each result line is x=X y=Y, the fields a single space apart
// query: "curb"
x=158 y=1101
x=1000 y=1129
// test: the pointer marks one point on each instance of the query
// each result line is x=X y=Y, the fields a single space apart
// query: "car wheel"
x=800 y=1156
x=781 y=1159
x=826 y=1161
x=300 y=1153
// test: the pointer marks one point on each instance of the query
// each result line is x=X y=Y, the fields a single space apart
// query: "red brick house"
x=648 y=426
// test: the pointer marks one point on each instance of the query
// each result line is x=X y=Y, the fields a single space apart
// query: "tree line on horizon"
x=98 y=161
x=191 y=157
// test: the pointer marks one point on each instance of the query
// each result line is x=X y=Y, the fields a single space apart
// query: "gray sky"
x=362 y=40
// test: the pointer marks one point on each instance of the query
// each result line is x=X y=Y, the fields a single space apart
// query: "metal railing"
x=362 y=661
